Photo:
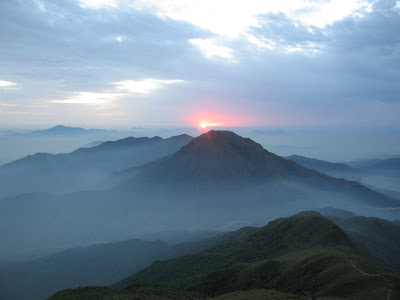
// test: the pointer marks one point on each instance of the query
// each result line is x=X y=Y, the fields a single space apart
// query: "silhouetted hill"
x=85 y=168
x=320 y=165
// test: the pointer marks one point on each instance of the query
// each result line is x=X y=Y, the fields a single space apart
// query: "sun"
x=204 y=125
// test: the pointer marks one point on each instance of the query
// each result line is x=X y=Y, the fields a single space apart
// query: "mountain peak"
x=225 y=141
x=220 y=155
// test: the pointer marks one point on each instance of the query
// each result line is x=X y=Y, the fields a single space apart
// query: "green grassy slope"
x=330 y=271
x=302 y=231
x=299 y=257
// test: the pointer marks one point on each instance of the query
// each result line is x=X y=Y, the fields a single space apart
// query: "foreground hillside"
x=302 y=256
x=249 y=244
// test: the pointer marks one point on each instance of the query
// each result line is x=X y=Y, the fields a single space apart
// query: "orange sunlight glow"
x=204 y=125
x=205 y=118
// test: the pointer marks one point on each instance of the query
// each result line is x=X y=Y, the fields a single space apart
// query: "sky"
x=124 y=63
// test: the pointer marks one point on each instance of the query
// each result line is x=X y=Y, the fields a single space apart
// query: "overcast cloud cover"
x=123 y=63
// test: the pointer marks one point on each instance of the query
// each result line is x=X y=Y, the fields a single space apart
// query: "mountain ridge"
x=301 y=231
x=217 y=157
x=84 y=168
x=223 y=155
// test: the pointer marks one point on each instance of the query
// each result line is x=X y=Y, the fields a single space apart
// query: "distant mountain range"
x=360 y=168
x=320 y=165
x=376 y=174
x=300 y=257
x=66 y=130
x=85 y=168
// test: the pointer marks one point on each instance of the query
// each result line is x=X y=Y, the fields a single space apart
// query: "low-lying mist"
x=37 y=224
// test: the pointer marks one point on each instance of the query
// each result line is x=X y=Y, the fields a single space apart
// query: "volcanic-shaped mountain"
x=217 y=157
x=223 y=155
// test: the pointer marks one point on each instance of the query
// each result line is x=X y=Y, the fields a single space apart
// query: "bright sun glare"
x=205 y=125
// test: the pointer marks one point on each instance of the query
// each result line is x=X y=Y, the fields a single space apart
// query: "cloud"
x=97 y=4
x=4 y=104
x=210 y=49
x=376 y=33
x=119 y=39
x=7 y=84
x=145 y=86
x=238 y=16
x=14 y=112
x=89 y=98
x=66 y=42
x=121 y=88
x=280 y=33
